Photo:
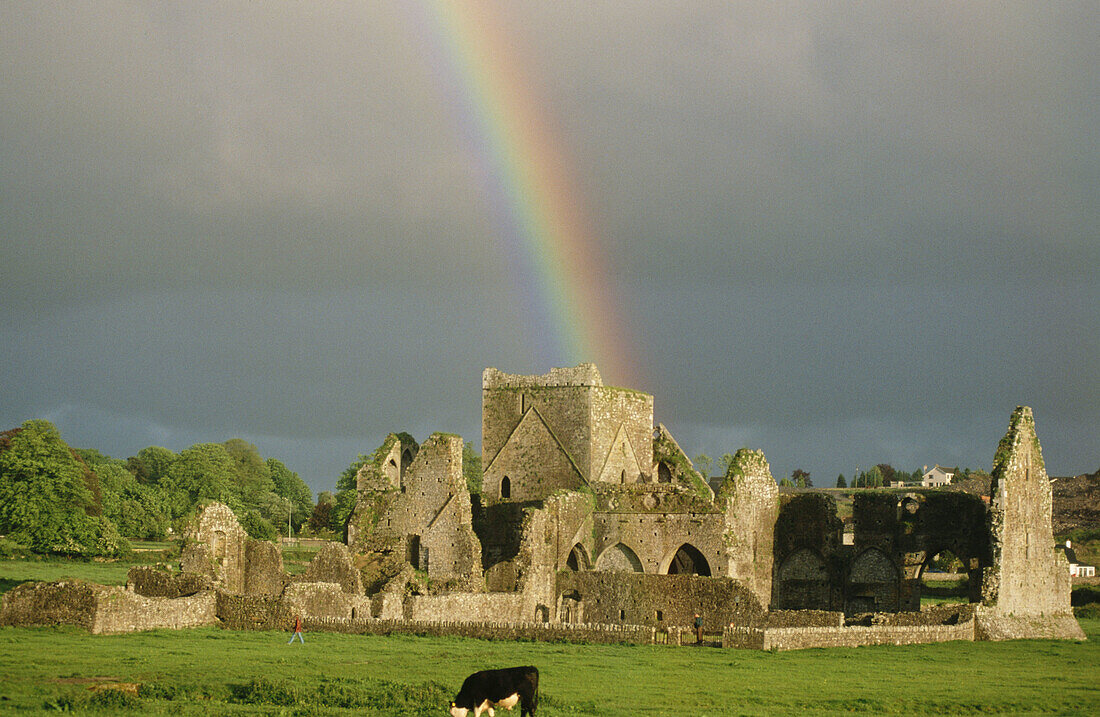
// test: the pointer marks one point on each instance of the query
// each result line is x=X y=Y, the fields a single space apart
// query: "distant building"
x=937 y=477
x=1076 y=569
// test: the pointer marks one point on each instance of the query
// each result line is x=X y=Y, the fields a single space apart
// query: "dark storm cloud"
x=846 y=233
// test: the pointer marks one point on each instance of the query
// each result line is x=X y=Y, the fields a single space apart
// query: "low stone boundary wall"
x=542 y=632
x=65 y=602
x=252 y=612
x=799 y=638
x=120 y=610
x=103 y=609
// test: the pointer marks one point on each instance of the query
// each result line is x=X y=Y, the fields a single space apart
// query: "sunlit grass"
x=212 y=671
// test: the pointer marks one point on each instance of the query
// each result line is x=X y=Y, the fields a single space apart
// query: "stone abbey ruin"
x=592 y=525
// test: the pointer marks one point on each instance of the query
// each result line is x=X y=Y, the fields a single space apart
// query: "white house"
x=1076 y=569
x=937 y=477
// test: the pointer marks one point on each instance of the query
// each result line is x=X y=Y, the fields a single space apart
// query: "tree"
x=321 y=518
x=346 y=481
x=45 y=501
x=801 y=478
x=151 y=464
x=290 y=486
x=840 y=482
x=205 y=471
x=725 y=462
x=889 y=475
x=873 y=478
x=253 y=479
x=703 y=463
x=786 y=483
x=471 y=468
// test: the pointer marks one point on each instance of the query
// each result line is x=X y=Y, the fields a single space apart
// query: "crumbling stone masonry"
x=424 y=519
x=1026 y=591
x=102 y=609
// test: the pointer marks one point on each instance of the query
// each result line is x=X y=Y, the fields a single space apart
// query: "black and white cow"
x=482 y=691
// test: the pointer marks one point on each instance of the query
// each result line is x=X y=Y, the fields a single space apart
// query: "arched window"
x=688 y=561
x=664 y=474
x=505 y=487
x=619 y=558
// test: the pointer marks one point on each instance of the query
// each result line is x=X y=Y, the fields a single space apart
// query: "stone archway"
x=578 y=559
x=945 y=577
x=873 y=583
x=570 y=607
x=688 y=560
x=619 y=558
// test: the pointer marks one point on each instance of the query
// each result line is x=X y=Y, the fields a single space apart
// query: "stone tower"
x=561 y=430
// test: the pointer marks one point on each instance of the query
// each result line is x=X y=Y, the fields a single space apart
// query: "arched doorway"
x=619 y=558
x=505 y=487
x=873 y=583
x=571 y=607
x=688 y=560
x=944 y=578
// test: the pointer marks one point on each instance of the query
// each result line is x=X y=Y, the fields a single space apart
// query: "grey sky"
x=843 y=233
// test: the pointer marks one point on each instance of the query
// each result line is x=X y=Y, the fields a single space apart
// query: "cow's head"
x=457 y=711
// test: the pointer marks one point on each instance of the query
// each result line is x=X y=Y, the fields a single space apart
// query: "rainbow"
x=526 y=177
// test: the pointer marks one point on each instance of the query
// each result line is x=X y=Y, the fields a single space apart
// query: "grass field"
x=213 y=671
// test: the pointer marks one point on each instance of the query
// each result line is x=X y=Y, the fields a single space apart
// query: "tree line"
x=77 y=501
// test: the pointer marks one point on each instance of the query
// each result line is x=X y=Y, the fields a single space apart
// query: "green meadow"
x=213 y=671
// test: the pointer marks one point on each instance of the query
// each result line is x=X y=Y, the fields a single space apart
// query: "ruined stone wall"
x=496 y=630
x=252 y=612
x=1028 y=579
x=561 y=399
x=531 y=465
x=430 y=520
x=671 y=465
x=102 y=609
x=907 y=529
x=622 y=436
x=332 y=564
x=654 y=535
x=161 y=581
x=467 y=607
x=223 y=538
x=655 y=600
x=809 y=566
x=750 y=499
x=65 y=602
x=119 y=610
x=799 y=638
x=263 y=568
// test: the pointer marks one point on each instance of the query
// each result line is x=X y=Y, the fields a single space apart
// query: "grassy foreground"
x=213 y=671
